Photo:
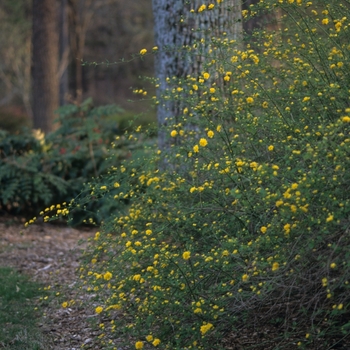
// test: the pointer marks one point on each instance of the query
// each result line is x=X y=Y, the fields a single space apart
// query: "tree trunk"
x=63 y=53
x=44 y=64
x=176 y=28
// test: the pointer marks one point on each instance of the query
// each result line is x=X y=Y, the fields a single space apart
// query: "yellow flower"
x=212 y=90
x=245 y=277
x=333 y=265
x=99 y=309
x=210 y=134
x=136 y=277
x=186 y=255
x=330 y=218
x=64 y=304
x=263 y=229
x=195 y=149
x=195 y=87
x=324 y=282
x=275 y=266
x=271 y=148
x=206 y=327
x=306 y=98
x=346 y=119
x=210 y=6
x=116 y=185
x=143 y=52
x=139 y=345
x=250 y=100
x=202 y=8
x=155 y=48
x=206 y=75
x=173 y=133
x=203 y=142
x=234 y=59
x=103 y=188
x=325 y=21
x=156 y=342
x=107 y=276
x=149 y=337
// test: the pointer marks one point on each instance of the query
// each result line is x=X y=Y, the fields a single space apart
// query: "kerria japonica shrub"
x=243 y=242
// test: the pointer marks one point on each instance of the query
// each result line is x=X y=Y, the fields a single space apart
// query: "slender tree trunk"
x=81 y=13
x=44 y=64
x=176 y=28
x=63 y=52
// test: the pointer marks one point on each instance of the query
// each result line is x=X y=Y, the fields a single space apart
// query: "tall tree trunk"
x=81 y=13
x=175 y=28
x=63 y=52
x=44 y=64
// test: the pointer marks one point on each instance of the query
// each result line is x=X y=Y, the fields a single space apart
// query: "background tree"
x=117 y=30
x=44 y=63
x=15 y=52
x=176 y=27
x=81 y=13
x=64 y=52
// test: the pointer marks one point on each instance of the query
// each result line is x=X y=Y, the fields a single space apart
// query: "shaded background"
x=91 y=31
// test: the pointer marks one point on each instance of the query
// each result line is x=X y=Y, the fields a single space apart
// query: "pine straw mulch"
x=50 y=255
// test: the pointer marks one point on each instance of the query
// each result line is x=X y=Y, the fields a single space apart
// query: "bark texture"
x=44 y=64
x=177 y=28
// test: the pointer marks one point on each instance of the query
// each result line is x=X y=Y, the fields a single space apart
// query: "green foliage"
x=37 y=170
x=247 y=233
x=17 y=312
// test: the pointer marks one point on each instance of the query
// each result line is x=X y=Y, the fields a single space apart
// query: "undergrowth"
x=37 y=170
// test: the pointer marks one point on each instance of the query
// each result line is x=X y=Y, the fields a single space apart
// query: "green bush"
x=37 y=170
x=246 y=237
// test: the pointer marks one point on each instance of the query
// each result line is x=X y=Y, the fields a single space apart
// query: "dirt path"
x=50 y=253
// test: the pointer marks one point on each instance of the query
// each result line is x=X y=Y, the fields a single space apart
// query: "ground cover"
x=48 y=255
x=17 y=329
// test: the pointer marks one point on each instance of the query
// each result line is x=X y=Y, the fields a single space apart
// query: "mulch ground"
x=50 y=254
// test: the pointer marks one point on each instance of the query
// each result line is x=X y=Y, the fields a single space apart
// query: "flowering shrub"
x=245 y=240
